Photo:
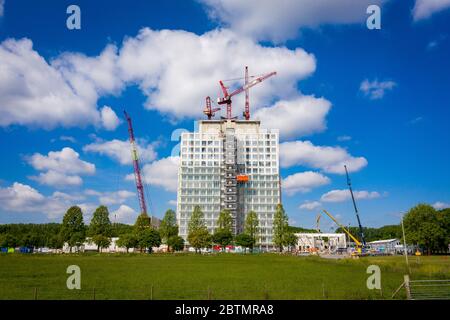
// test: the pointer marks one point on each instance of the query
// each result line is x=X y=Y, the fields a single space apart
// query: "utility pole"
x=363 y=240
x=404 y=247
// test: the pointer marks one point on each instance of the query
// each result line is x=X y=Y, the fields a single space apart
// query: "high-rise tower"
x=229 y=164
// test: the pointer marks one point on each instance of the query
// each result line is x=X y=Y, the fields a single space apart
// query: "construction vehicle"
x=247 y=85
x=359 y=244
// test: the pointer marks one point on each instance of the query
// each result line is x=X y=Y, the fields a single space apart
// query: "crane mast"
x=361 y=233
x=136 y=166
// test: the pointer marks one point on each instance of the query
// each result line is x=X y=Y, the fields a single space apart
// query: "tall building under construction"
x=229 y=164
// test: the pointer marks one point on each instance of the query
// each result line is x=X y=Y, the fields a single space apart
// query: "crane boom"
x=361 y=232
x=136 y=166
x=227 y=96
x=358 y=243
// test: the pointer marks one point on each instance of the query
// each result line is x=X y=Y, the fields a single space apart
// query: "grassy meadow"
x=221 y=276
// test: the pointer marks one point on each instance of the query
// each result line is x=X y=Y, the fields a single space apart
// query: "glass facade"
x=211 y=158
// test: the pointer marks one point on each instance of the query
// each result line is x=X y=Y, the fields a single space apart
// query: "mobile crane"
x=359 y=245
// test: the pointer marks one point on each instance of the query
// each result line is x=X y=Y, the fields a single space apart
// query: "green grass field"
x=188 y=276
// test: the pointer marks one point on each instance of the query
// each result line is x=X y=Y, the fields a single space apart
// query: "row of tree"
x=199 y=236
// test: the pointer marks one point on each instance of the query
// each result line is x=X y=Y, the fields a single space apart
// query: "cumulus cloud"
x=441 y=205
x=119 y=150
x=110 y=121
x=376 y=89
x=424 y=9
x=281 y=20
x=125 y=214
x=65 y=92
x=194 y=72
x=344 y=195
x=22 y=198
x=36 y=93
x=57 y=179
x=303 y=182
x=297 y=117
x=328 y=159
x=162 y=173
x=310 y=205
x=62 y=168
x=116 y=197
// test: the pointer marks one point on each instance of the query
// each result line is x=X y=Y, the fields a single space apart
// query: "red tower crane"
x=137 y=168
x=227 y=96
x=209 y=111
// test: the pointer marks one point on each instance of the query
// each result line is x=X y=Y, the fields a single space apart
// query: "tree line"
x=425 y=227
x=143 y=235
x=199 y=236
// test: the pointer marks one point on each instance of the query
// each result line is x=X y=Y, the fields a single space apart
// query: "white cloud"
x=162 y=173
x=303 y=182
x=67 y=160
x=66 y=196
x=441 y=205
x=120 y=150
x=281 y=20
x=297 y=117
x=124 y=214
x=100 y=72
x=344 y=138
x=344 y=195
x=61 y=167
x=376 y=89
x=68 y=138
x=310 y=205
x=38 y=94
x=22 y=198
x=57 y=179
x=116 y=197
x=177 y=81
x=329 y=159
x=172 y=202
x=65 y=91
x=424 y=9
x=110 y=121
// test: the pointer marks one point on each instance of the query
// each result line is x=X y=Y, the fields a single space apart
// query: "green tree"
x=423 y=228
x=224 y=222
x=251 y=227
x=198 y=235
x=222 y=237
x=8 y=241
x=140 y=226
x=100 y=228
x=127 y=240
x=142 y=222
x=280 y=227
x=55 y=242
x=290 y=240
x=176 y=243
x=168 y=227
x=245 y=240
x=200 y=238
x=149 y=238
x=73 y=230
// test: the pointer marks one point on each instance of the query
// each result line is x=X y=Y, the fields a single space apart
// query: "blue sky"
x=376 y=100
